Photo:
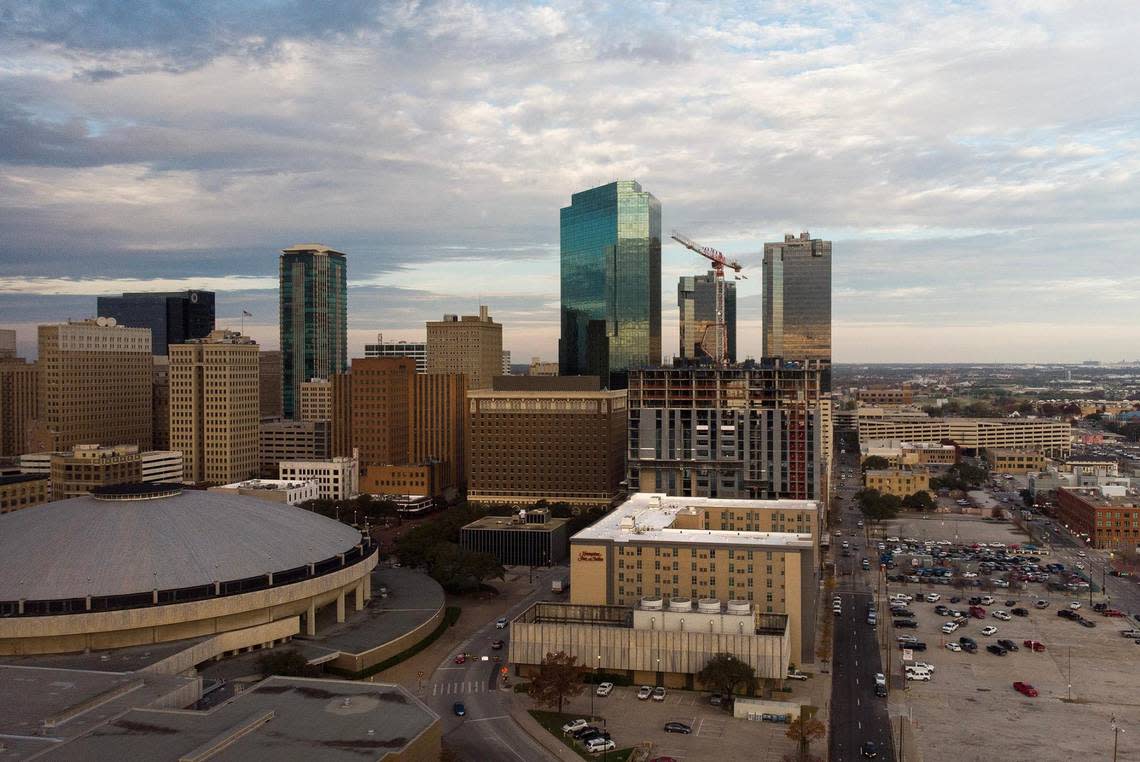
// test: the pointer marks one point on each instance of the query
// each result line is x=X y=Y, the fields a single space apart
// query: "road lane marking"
x=497 y=717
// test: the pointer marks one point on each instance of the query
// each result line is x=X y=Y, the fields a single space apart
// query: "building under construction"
x=757 y=430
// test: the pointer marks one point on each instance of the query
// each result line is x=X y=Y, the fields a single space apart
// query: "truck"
x=560 y=584
x=977 y=612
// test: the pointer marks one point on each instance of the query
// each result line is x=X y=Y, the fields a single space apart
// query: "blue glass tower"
x=314 y=318
x=611 y=282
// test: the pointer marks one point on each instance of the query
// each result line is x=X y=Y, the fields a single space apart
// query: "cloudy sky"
x=975 y=163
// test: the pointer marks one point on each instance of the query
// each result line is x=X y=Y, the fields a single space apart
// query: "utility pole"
x=1069 y=675
x=1115 y=737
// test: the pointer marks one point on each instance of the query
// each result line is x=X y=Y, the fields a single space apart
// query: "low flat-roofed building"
x=336 y=478
x=528 y=538
x=759 y=551
x=1111 y=522
x=426 y=479
x=896 y=481
x=1009 y=461
x=928 y=454
x=81 y=469
x=1052 y=437
x=279 y=718
x=280 y=440
x=19 y=491
x=1091 y=466
x=274 y=490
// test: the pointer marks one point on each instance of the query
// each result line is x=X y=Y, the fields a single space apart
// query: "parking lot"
x=970 y=711
x=716 y=734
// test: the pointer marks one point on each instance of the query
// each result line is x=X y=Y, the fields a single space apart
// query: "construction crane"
x=719 y=353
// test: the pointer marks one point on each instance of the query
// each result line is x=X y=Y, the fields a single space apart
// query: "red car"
x=1025 y=689
x=1035 y=645
x=1113 y=612
x=460 y=659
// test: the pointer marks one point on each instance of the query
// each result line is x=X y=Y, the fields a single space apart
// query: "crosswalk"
x=459 y=688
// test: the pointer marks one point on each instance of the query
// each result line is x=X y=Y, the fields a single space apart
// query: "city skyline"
x=895 y=138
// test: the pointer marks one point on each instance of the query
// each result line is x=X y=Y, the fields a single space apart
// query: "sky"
x=975 y=163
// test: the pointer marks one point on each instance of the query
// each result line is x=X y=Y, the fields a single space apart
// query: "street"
x=857 y=714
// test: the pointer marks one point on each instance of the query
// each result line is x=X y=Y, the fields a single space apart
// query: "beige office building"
x=471 y=345
x=95 y=385
x=85 y=467
x=1006 y=461
x=897 y=481
x=1051 y=437
x=19 y=397
x=214 y=407
x=316 y=400
x=160 y=403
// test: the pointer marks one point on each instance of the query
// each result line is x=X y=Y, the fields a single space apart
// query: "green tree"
x=919 y=501
x=728 y=673
x=875 y=463
x=559 y=678
x=803 y=731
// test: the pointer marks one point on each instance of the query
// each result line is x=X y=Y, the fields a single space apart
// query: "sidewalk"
x=518 y=704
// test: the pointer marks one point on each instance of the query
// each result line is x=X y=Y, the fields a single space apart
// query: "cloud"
x=964 y=158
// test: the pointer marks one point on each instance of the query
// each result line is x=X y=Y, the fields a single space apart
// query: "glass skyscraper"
x=797 y=300
x=173 y=317
x=611 y=282
x=314 y=318
x=696 y=301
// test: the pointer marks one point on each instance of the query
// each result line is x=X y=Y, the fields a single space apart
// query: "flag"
x=246 y=314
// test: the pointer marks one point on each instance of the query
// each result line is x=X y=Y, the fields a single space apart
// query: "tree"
x=559 y=677
x=288 y=662
x=876 y=506
x=919 y=501
x=459 y=570
x=803 y=731
x=875 y=463
x=728 y=673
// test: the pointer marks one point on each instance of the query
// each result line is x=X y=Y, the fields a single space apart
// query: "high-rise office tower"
x=381 y=387
x=314 y=318
x=341 y=421
x=611 y=282
x=269 y=366
x=19 y=398
x=797 y=300
x=7 y=343
x=160 y=403
x=95 y=385
x=754 y=431
x=214 y=407
x=471 y=345
x=417 y=350
x=173 y=317
x=437 y=423
x=696 y=299
x=316 y=400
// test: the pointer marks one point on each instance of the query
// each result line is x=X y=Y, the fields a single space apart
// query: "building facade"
x=19 y=401
x=19 y=491
x=283 y=440
x=160 y=403
x=404 y=479
x=696 y=300
x=381 y=397
x=417 y=350
x=214 y=407
x=1050 y=437
x=531 y=538
x=610 y=243
x=1008 y=461
x=468 y=344
x=341 y=424
x=797 y=300
x=316 y=400
x=95 y=385
x=437 y=424
x=760 y=552
x=759 y=431
x=78 y=471
x=269 y=383
x=336 y=478
x=173 y=317
x=1106 y=522
x=545 y=444
x=285 y=491
x=314 y=318
x=896 y=481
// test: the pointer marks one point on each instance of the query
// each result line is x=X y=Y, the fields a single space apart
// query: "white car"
x=1081 y=553
x=988 y=630
x=880 y=678
x=918 y=676
x=1075 y=605
x=501 y=623
x=658 y=693
x=795 y=674
x=987 y=600
x=644 y=692
x=1000 y=583
x=949 y=627
x=933 y=597
x=953 y=647
x=574 y=725
x=969 y=575
x=922 y=665
x=594 y=745
x=604 y=689
x=1002 y=615
x=900 y=597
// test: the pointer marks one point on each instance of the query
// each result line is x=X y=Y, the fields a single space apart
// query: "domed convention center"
x=139 y=564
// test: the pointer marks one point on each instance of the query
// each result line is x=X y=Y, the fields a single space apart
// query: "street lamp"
x=1116 y=731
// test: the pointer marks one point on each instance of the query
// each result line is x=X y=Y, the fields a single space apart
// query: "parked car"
x=582 y=734
x=996 y=650
x=923 y=665
x=918 y=676
x=1067 y=614
x=574 y=726
x=795 y=674
x=988 y=630
x=677 y=727
x=1113 y=613
x=604 y=689
x=644 y=692
x=1041 y=604
x=501 y=623
x=716 y=699
x=933 y=597
x=659 y=693
x=1075 y=605
x=880 y=678
x=596 y=745
x=919 y=646
x=1034 y=645
x=1025 y=689
x=1086 y=622
x=906 y=623
x=459 y=709
x=1019 y=612
x=952 y=646
x=949 y=627
x=1007 y=644
x=460 y=658
x=1002 y=615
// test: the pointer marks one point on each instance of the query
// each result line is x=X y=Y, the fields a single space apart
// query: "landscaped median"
x=553 y=722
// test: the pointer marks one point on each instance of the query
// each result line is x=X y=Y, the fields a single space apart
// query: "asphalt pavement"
x=857 y=715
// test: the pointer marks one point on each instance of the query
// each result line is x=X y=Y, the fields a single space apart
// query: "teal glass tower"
x=314 y=318
x=611 y=282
